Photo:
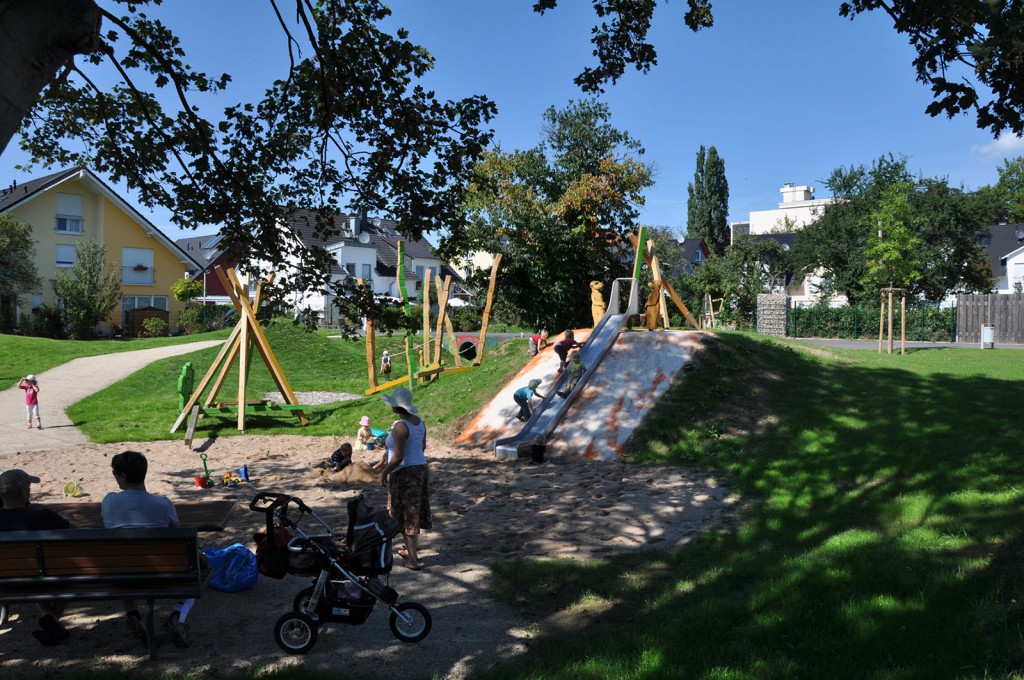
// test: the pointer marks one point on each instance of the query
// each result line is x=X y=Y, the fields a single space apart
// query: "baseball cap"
x=12 y=480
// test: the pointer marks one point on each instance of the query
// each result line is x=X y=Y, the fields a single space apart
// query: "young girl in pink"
x=31 y=387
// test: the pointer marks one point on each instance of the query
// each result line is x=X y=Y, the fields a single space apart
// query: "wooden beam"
x=449 y=329
x=425 y=302
x=671 y=293
x=487 y=311
x=388 y=385
x=263 y=345
x=371 y=345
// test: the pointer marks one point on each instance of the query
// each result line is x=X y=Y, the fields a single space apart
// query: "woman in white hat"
x=404 y=472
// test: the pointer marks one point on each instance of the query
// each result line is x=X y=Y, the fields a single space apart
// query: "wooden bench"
x=74 y=565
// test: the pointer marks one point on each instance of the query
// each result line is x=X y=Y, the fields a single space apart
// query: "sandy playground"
x=484 y=509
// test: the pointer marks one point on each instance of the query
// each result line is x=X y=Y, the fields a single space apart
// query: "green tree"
x=945 y=222
x=184 y=290
x=891 y=252
x=18 y=273
x=1010 y=188
x=348 y=127
x=834 y=245
x=978 y=55
x=89 y=291
x=707 y=203
x=557 y=212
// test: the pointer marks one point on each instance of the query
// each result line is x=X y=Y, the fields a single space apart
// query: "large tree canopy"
x=932 y=227
x=556 y=212
x=347 y=127
x=970 y=52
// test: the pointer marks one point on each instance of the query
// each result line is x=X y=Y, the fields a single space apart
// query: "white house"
x=362 y=248
x=797 y=209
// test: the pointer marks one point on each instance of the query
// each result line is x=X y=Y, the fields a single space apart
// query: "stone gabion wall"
x=771 y=314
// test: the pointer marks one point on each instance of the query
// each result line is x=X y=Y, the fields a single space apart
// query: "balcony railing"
x=137 y=276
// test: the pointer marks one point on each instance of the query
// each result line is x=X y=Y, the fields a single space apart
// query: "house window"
x=350 y=267
x=65 y=256
x=37 y=301
x=698 y=257
x=419 y=272
x=137 y=266
x=69 y=213
x=130 y=302
x=367 y=272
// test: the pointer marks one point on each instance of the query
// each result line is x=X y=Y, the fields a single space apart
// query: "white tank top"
x=413 y=447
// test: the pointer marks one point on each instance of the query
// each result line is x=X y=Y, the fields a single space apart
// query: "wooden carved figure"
x=652 y=311
x=597 y=306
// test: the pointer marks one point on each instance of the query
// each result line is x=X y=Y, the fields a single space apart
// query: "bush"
x=48 y=322
x=924 y=322
x=201 y=318
x=466 y=319
x=153 y=327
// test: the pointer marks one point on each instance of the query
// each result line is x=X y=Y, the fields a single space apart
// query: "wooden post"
x=371 y=345
x=656 y=271
x=881 y=321
x=487 y=311
x=635 y=242
x=425 y=302
x=903 y=323
x=890 y=321
x=405 y=307
x=448 y=327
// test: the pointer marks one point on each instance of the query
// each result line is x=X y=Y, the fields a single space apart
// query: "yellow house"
x=73 y=205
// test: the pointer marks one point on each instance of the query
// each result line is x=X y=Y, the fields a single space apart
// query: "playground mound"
x=484 y=509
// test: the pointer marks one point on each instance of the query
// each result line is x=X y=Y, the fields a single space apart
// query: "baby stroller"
x=346 y=573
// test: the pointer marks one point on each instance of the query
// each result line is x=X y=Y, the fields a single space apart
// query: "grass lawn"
x=20 y=356
x=145 y=405
x=880 y=534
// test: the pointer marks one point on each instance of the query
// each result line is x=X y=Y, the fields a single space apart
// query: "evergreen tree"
x=707 y=203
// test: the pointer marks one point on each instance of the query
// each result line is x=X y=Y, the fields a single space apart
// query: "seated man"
x=17 y=515
x=134 y=507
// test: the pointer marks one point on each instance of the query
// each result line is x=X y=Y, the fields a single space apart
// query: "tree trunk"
x=37 y=39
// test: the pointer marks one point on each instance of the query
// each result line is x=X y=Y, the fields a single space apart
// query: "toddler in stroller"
x=346 y=571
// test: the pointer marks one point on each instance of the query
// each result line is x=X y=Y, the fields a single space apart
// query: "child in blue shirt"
x=522 y=397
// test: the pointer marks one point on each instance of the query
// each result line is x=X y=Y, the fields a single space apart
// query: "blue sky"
x=787 y=90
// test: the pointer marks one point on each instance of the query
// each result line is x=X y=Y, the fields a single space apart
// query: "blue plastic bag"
x=233 y=568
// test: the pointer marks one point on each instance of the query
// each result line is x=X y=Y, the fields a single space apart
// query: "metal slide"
x=552 y=408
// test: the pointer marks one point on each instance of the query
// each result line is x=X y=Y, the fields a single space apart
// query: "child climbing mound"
x=522 y=397
x=563 y=347
x=576 y=370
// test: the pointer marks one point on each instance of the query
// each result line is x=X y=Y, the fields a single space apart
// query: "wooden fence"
x=1005 y=312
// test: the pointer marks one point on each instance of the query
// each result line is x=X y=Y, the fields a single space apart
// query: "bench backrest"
x=74 y=564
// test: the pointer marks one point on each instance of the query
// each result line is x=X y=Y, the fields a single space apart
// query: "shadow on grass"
x=882 y=536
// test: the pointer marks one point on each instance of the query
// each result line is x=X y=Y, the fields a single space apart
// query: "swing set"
x=429 y=365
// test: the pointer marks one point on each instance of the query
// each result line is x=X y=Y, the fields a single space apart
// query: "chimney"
x=354 y=224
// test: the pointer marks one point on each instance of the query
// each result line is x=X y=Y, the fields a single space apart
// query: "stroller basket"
x=365 y=550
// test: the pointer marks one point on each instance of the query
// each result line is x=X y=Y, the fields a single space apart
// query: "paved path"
x=66 y=384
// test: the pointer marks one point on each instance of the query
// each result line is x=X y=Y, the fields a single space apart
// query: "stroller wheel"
x=295 y=633
x=410 y=621
x=301 y=603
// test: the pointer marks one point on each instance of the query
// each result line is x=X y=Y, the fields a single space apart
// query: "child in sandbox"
x=365 y=434
x=341 y=458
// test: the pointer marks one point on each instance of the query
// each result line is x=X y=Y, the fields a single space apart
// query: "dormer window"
x=69 y=214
